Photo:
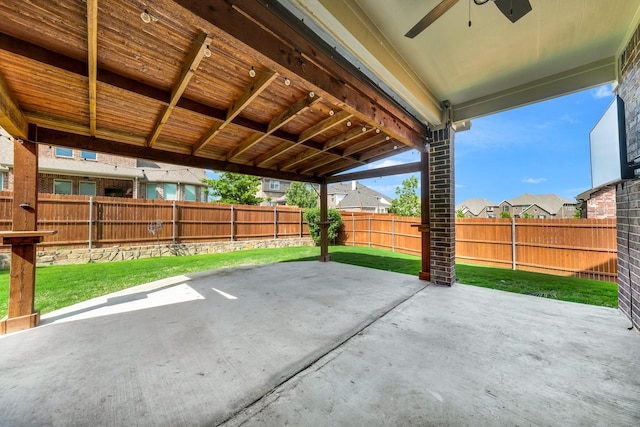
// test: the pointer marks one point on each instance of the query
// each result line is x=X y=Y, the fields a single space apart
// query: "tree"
x=460 y=213
x=505 y=214
x=234 y=188
x=301 y=195
x=312 y=216
x=407 y=203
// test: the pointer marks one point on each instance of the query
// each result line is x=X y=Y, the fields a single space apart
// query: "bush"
x=312 y=216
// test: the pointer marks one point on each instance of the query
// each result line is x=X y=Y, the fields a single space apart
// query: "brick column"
x=628 y=192
x=442 y=189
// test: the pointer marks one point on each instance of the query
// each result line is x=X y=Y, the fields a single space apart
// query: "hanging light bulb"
x=364 y=128
x=312 y=94
x=287 y=82
x=387 y=138
x=207 y=52
x=331 y=112
x=146 y=18
x=348 y=123
x=252 y=72
x=377 y=130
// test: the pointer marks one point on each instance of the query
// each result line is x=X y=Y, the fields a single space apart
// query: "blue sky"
x=541 y=148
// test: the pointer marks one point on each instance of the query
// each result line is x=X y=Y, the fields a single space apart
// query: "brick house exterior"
x=599 y=203
x=273 y=191
x=66 y=171
x=628 y=192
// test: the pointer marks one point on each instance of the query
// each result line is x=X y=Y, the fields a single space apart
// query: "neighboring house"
x=273 y=191
x=534 y=205
x=599 y=203
x=539 y=206
x=477 y=208
x=355 y=197
x=67 y=171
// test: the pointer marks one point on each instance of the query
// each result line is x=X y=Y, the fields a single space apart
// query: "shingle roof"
x=551 y=203
x=475 y=206
x=362 y=197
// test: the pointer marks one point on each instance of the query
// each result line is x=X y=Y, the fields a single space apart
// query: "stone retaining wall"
x=123 y=253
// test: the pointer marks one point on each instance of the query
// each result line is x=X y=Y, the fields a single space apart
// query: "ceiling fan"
x=512 y=9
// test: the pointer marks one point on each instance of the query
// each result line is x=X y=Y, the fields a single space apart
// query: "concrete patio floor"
x=319 y=344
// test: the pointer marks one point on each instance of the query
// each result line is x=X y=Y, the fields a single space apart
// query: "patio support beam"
x=84 y=142
x=375 y=173
x=11 y=117
x=92 y=62
x=324 y=222
x=425 y=216
x=21 y=314
x=200 y=45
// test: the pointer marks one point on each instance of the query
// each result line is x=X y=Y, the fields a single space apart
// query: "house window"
x=489 y=208
x=171 y=192
x=541 y=216
x=151 y=191
x=190 y=192
x=64 y=152
x=61 y=186
x=1 y=181
x=87 y=188
x=505 y=208
x=88 y=155
x=274 y=185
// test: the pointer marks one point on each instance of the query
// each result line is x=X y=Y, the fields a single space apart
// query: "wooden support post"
x=324 y=223
x=23 y=237
x=425 y=215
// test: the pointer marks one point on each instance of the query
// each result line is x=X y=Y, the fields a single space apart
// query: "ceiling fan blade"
x=431 y=17
x=513 y=9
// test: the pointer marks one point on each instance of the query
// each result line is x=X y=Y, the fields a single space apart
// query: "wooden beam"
x=55 y=60
x=324 y=160
x=92 y=61
x=83 y=142
x=283 y=48
x=367 y=143
x=311 y=132
x=189 y=68
x=276 y=123
x=264 y=79
x=374 y=173
x=11 y=117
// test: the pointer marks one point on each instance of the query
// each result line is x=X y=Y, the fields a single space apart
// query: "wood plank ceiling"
x=224 y=85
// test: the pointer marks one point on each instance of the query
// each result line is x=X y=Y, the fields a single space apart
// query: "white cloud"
x=602 y=92
x=533 y=180
x=384 y=164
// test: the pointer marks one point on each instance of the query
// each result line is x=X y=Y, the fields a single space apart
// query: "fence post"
x=275 y=222
x=393 y=234
x=232 y=223
x=173 y=222
x=513 y=243
x=353 y=223
x=301 y=223
x=369 y=231
x=90 y=223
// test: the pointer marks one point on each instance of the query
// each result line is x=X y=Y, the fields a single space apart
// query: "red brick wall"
x=602 y=204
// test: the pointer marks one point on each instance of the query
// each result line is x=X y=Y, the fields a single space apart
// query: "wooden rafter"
x=264 y=79
x=311 y=132
x=300 y=57
x=190 y=66
x=367 y=143
x=92 y=61
x=282 y=119
x=373 y=173
x=332 y=143
x=11 y=117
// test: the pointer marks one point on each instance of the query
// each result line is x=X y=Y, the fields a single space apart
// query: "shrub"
x=312 y=216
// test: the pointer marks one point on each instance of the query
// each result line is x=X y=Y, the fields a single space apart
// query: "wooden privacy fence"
x=568 y=247
x=98 y=221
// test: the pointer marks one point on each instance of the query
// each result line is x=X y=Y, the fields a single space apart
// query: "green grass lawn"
x=63 y=285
